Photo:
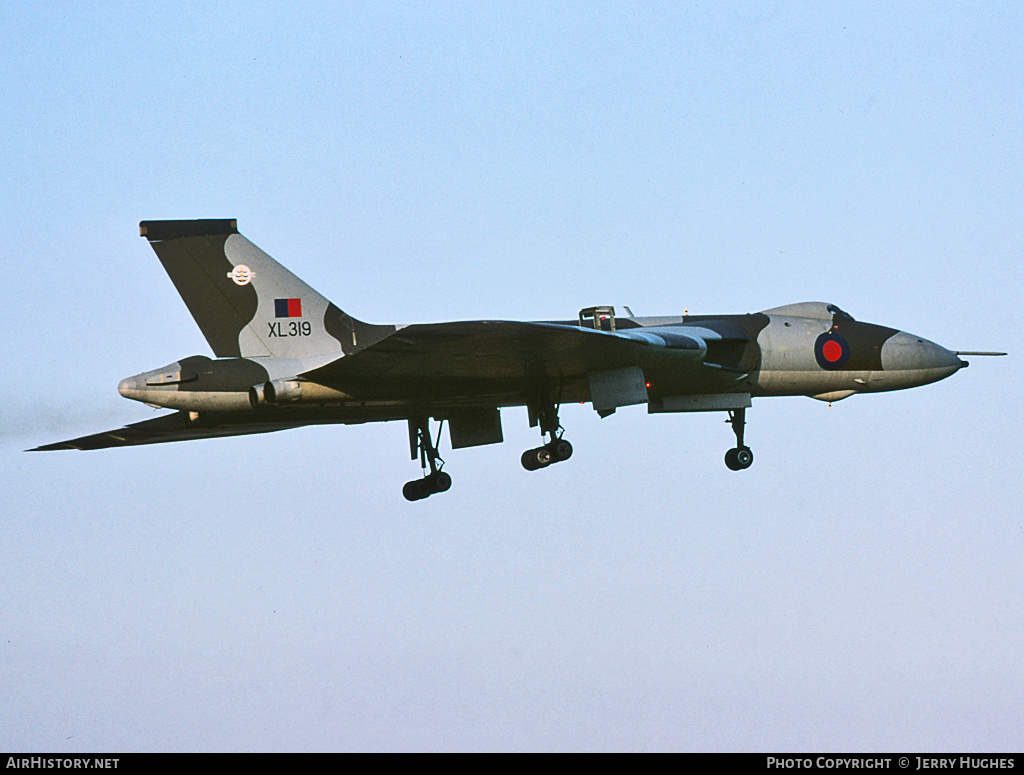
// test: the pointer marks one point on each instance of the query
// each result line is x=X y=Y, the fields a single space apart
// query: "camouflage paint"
x=234 y=291
x=271 y=332
x=192 y=253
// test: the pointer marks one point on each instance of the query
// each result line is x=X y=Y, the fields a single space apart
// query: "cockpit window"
x=839 y=313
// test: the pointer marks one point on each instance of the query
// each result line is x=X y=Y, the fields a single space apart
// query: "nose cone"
x=130 y=387
x=919 y=360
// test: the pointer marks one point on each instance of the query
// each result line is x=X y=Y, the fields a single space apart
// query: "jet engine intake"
x=676 y=339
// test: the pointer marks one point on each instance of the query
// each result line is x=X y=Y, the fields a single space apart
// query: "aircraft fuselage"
x=800 y=350
x=285 y=357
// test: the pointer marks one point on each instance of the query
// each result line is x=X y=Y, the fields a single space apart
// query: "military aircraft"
x=287 y=357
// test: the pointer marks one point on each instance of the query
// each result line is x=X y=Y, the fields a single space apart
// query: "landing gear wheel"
x=744 y=457
x=534 y=459
x=415 y=490
x=555 y=449
x=434 y=480
x=560 y=450
x=739 y=458
x=418 y=489
x=439 y=482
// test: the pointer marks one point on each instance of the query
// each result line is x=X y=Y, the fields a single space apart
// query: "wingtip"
x=52 y=447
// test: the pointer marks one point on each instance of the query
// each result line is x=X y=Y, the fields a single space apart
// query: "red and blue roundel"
x=831 y=351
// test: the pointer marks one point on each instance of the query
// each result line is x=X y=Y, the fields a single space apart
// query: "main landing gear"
x=556 y=449
x=436 y=480
x=739 y=457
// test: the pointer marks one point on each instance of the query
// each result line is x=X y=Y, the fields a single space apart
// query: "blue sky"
x=859 y=588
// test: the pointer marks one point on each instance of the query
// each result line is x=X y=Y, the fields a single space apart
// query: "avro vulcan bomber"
x=286 y=357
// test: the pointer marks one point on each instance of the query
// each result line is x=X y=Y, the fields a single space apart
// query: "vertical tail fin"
x=245 y=303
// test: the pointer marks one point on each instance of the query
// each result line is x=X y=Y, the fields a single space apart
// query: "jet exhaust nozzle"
x=257 y=396
x=280 y=391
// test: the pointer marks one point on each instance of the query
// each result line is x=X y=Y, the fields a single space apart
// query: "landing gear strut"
x=556 y=449
x=420 y=443
x=739 y=457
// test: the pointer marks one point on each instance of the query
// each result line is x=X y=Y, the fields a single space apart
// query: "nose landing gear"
x=741 y=456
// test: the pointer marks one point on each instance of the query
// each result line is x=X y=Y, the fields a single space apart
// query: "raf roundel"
x=241 y=275
x=831 y=351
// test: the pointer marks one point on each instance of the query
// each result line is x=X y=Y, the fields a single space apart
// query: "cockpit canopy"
x=818 y=310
